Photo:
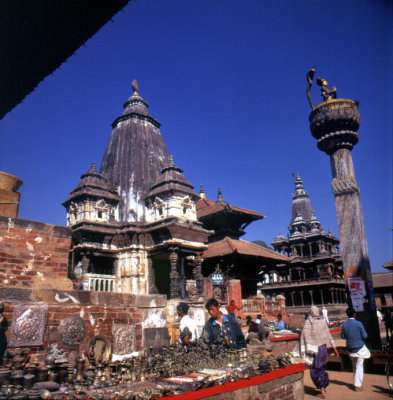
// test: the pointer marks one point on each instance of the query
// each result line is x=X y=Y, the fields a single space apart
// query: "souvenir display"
x=172 y=369
x=71 y=331
x=28 y=325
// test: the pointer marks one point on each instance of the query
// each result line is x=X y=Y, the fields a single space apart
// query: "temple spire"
x=220 y=198
x=301 y=204
x=202 y=192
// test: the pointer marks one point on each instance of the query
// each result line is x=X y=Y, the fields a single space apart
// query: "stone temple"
x=134 y=223
x=314 y=274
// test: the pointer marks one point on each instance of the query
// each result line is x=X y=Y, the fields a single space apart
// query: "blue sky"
x=227 y=80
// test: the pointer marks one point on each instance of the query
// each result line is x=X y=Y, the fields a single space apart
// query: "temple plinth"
x=334 y=123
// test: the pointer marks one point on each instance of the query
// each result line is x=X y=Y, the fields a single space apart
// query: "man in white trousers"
x=355 y=334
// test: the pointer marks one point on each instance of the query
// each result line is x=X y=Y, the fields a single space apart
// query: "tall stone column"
x=334 y=123
x=174 y=274
x=151 y=281
x=198 y=275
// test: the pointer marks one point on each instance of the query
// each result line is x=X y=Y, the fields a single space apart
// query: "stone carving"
x=71 y=331
x=217 y=293
x=191 y=290
x=28 y=325
x=327 y=94
x=341 y=186
x=124 y=338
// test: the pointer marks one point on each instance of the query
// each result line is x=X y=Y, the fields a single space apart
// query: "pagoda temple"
x=237 y=259
x=134 y=223
x=314 y=274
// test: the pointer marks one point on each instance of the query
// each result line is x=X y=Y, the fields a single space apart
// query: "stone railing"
x=101 y=283
x=309 y=281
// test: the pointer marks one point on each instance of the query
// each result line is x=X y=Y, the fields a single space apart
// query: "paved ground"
x=341 y=384
x=340 y=388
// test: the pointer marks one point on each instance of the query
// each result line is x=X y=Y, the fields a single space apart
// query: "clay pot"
x=17 y=377
x=42 y=374
x=5 y=374
x=28 y=381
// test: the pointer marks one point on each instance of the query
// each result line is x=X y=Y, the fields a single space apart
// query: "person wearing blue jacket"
x=222 y=328
x=279 y=325
x=355 y=334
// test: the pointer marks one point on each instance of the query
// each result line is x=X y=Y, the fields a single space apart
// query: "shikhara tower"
x=134 y=223
x=134 y=156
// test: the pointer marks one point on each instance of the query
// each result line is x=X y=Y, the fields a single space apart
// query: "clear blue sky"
x=227 y=80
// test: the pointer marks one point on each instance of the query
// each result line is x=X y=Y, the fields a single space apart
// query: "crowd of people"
x=314 y=339
x=224 y=328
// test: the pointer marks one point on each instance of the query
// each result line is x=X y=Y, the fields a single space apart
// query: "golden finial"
x=135 y=87
x=202 y=193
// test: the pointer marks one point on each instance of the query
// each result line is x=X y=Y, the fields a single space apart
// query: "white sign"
x=357 y=287
x=357 y=303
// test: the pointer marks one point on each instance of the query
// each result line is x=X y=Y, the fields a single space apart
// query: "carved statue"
x=327 y=94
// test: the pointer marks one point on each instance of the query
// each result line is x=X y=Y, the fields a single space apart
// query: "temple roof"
x=229 y=246
x=223 y=218
x=382 y=279
x=172 y=179
x=301 y=204
x=93 y=184
x=134 y=157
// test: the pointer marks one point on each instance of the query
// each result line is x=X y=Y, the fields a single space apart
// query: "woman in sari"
x=313 y=350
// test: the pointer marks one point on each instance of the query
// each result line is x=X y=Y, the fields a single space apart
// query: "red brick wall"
x=33 y=254
x=91 y=306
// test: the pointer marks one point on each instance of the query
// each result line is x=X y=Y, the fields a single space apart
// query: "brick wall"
x=33 y=254
x=99 y=310
x=289 y=387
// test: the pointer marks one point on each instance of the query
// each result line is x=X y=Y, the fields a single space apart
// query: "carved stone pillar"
x=331 y=295
x=292 y=298
x=174 y=274
x=301 y=297
x=311 y=296
x=334 y=123
x=151 y=281
x=182 y=280
x=198 y=275
x=322 y=299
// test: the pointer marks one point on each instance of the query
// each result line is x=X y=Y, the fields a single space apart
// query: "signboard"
x=356 y=286
x=357 y=289
x=218 y=279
